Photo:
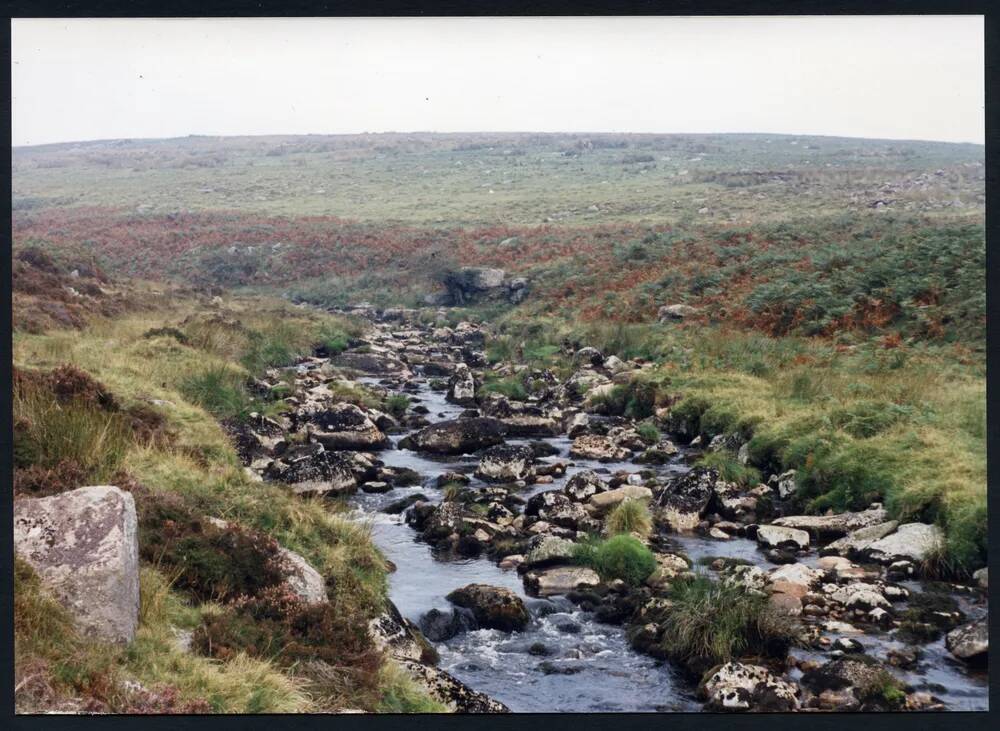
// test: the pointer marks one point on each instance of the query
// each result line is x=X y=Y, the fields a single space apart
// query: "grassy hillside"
x=134 y=401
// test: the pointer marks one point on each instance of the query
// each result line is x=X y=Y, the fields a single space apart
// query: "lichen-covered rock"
x=911 y=541
x=494 y=607
x=555 y=508
x=83 y=544
x=506 y=463
x=826 y=527
x=682 y=503
x=854 y=543
x=969 y=643
x=559 y=580
x=461 y=386
x=549 y=551
x=737 y=686
x=775 y=536
x=378 y=364
x=453 y=693
x=584 y=485
x=346 y=426
x=457 y=436
x=594 y=446
x=439 y=626
x=305 y=581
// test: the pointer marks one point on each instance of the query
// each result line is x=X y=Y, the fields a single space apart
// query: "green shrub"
x=511 y=387
x=710 y=622
x=273 y=349
x=630 y=516
x=397 y=404
x=620 y=557
x=648 y=433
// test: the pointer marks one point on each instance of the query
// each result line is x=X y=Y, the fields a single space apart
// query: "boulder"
x=83 y=544
x=854 y=543
x=826 y=527
x=461 y=386
x=530 y=425
x=494 y=607
x=737 y=686
x=682 y=503
x=549 y=551
x=594 y=446
x=603 y=502
x=305 y=581
x=584 y=485
x=982 y=578
x=675 y=312
x=506 y=463
x=555 y=508
x=457 y=436
x=775 y=536
x=346 y=426
x=376 y=364
x=911 y=541
x=588 y=356
x=453 y=693
x=969 y=643
x=439 y=626
x=560 y=580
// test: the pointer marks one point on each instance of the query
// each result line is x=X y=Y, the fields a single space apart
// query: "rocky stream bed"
x=477 y=501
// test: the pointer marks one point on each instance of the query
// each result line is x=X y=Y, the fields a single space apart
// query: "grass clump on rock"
x=629 y=516
x=619 y=557
x=709 y=622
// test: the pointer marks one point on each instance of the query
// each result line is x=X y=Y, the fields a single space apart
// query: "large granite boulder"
x=305 y=581
x=83 y=544
x=346 y=426
x=682 y=503
x=826 y=527
x=736 y=686
x=969 y=643
x=506 y=463
x=911 y=541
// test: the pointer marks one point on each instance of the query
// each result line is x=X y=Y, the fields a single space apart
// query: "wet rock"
x=398 y=506
x=578 y=424
x=442 y=521
x=740 y=687
x=439 y=626
x=685 y=500
x=584 y=485
x=83 y=545
x=346 y=426
x=826 y=527
x=911 y=541
x=376 y=488
x=863 y=676
x=506 y=463
x=559 y=580
x=531 y=425
x=457 y=436
x=539 y=650
x=600 y=448
x=970 y=643
x=494 y=607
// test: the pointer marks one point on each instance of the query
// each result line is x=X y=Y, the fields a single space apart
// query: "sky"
x=905 y=77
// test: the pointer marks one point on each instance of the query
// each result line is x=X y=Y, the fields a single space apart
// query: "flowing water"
x=565 y=661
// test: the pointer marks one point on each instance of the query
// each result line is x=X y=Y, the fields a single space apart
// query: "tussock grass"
x=629 y=516
x=711 y=622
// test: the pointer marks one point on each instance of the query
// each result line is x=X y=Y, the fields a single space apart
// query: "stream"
x=566 y=661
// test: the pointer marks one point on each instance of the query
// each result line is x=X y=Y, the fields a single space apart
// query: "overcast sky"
x=893 y=77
